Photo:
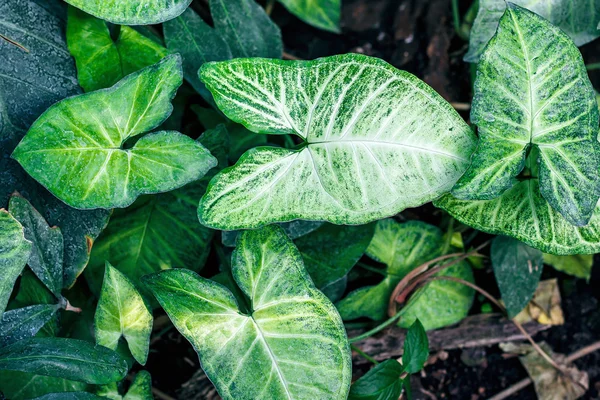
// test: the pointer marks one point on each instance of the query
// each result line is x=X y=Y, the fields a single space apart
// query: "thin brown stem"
x=288 y=56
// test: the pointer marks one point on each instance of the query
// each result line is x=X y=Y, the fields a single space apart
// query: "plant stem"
x=369 y=268
x=456 y=17
x=378 y=328
x=364 y=355
x=269 y=6
x=592 y=67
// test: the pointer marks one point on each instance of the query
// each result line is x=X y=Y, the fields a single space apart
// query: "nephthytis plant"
x=138 y=141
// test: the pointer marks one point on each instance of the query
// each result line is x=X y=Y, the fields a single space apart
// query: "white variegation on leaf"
x=291 y=345
x=377 y=140
x=132 y=12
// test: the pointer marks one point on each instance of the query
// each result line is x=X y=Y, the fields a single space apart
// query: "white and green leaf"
x=324 y=14
x=291 y=346
x=377 y=140
x=533 y=98
x=132 y=12
x=75 y=149
x=122 y=312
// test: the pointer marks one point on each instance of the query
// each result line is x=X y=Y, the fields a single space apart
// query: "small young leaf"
x=518 y=269
x=378 y=140
x=70 y=396
x=133 y=12
x=101 y=62
x=140 y=389
x=578 y=265
x=14 y=253
x=122 y=312
x=416 y=348
x=324 y=14
x=577 y=18
x=25 y=322
x=532 y=90
x=64 y=358
x=293 y=344
x=46 y=258
x=382 y=382
x=24 y=386
x=87 y=139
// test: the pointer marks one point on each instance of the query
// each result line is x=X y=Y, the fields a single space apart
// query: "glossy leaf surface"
x=378 y=140
x=75 y=148
x=382 y=382
x=324 y=14
x=14 y=253
x=24 y=322
x=293 y=344
x=64 y=358
x=517 y=268
x=133 y=12
x=122 y=312
x=578 y=18
x=533 y=97
x=102 y=62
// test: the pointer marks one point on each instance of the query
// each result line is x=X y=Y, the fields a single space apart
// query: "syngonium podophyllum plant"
x=325 y=153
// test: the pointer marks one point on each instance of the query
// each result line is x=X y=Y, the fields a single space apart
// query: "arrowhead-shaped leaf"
x=577 y=18
x=293 y=344
x=533 y=98
x=46 y=258
x=75 y=148
x=29 y=84
x=133 y=12
x=64 y=358
x=517 y=268
x=14 y=253
x=324 y=14
x=122 y=312
x=522 y=212
x=24 y=322
x=102 y=62
x=377 y=140
x=380 y=383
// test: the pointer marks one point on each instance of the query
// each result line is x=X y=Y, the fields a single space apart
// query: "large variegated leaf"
x=102 y=62
x=133 y=12
x=75 y=148
x=533 y=98
x=291 y=346
x=577 y=18
x=377 y=140
x=14 y=253
x=29 y=84
x=324 y=14
x=522 y=212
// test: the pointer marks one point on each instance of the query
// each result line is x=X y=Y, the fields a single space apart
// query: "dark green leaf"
x=25 y=322
x=24 y=386
x=324 y=14
x=517 y=268
x=46 y=258
x=70 y=396
x=380 y=383
x=416 y=348
x=133 y=12
x=64 y=358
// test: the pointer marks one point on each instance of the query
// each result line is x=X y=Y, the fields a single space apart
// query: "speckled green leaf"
x=577 y=18
x=70 y=396
x=517 y=268
x=14 y=253
x=75 y=148
x=380 y=383
x=24 y=386
x=324 y=14
x=29 y=84
x=64 y=358
x=158 y=232
x=377 y=140
x=122 y=312
x=102 y=62
x=24 y=322
x=532 y=90
x=578 y=265
x=140 y=389
x=133 y=12
x=46 y=258
x=293 y=344
x=522 y=212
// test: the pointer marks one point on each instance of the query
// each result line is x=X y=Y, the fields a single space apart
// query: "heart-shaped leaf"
x=64 y=358
x=122 y=312
x=377 y=140
x=140 y=389
x=29 y=84
x=46 y=258
x=533 y=98
x=293 y=344
x=14 y=253
x=102 y=62
x=133 y=12
x=24 y=322
x=24 y=386
x=324 y=14
x=577 y=18
x=75 y=148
